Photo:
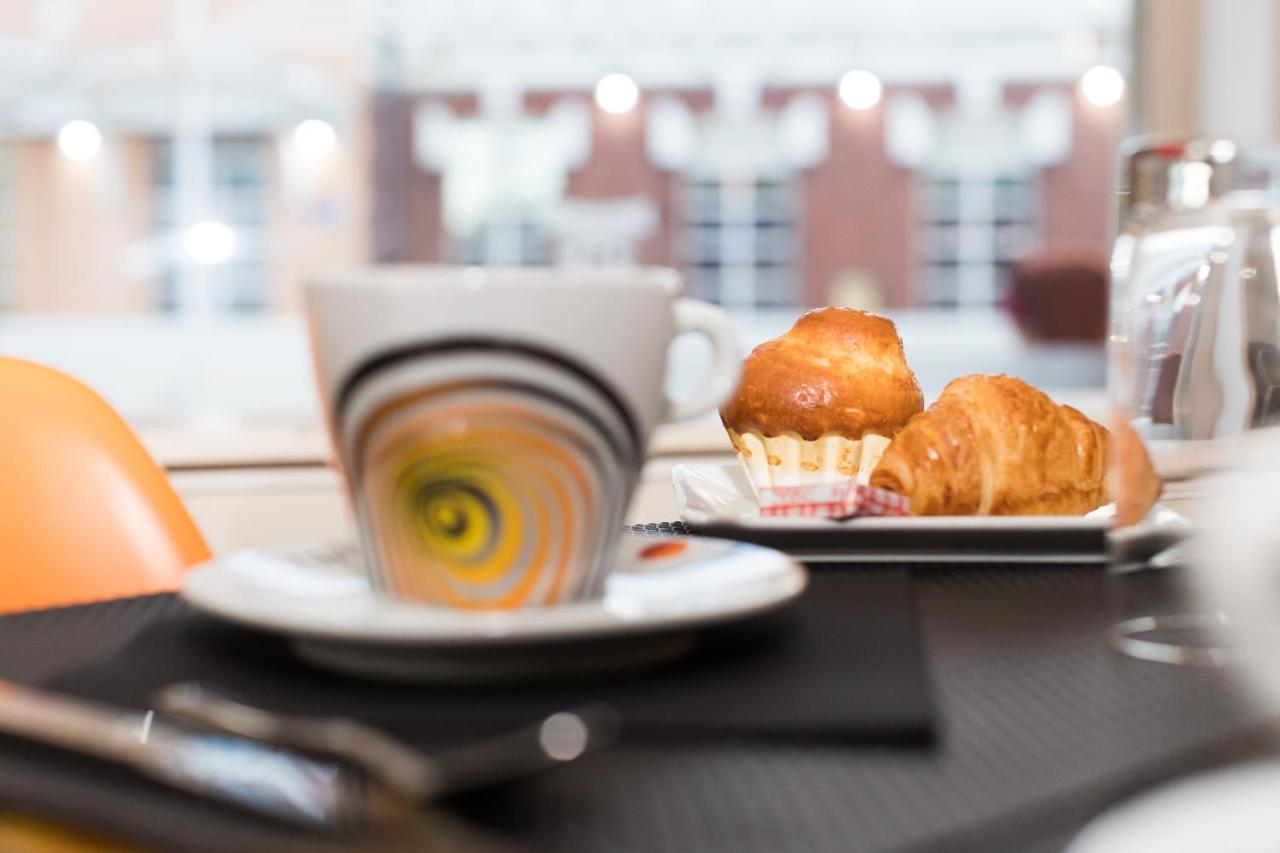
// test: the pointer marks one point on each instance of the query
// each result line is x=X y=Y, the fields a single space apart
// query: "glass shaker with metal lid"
x=1195 y=362
x=1195 y=313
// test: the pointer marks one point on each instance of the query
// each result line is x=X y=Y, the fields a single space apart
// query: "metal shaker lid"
x=1175 y=174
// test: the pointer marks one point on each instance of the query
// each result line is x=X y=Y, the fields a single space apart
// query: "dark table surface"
x=1041 y=725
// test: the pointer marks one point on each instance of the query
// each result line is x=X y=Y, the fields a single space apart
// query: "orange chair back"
x=85 y=512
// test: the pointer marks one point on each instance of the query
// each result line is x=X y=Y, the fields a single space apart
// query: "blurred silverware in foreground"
x=558 y=738
x=329 y=775
x=299 y=789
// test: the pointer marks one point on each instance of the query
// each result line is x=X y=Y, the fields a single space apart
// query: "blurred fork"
x=556 y=739
x=317 y=793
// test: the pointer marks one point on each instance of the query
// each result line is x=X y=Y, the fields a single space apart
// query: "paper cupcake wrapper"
x=832 y=500
x=773 y=461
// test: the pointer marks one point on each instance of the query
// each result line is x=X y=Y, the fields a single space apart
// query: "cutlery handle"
x=559 y=738
x=71 y=724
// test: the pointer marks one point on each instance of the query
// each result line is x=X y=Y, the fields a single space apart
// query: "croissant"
x=993 y=445
x=1132 y=482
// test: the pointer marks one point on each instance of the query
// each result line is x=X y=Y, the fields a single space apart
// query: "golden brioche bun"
x=837 y=371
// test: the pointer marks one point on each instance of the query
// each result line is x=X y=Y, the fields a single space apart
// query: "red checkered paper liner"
x=831 y=500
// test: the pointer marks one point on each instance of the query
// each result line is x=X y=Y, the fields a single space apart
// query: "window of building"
x=505 y=240
x=975 y=227
x=8 y=242
x=239 y=175
x=740 y=241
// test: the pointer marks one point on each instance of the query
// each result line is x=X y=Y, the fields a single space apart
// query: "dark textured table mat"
x=841 y=664
x=1041 y=724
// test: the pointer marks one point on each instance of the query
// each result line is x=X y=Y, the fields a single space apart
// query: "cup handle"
x=726 y=363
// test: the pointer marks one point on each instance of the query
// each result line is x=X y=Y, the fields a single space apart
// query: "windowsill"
x=239 y=391
x=186 y=448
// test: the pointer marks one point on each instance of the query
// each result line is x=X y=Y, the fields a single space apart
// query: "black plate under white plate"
x=717 y=500
x=658 y=592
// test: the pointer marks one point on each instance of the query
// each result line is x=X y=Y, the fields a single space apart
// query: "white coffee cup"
x=492 y=422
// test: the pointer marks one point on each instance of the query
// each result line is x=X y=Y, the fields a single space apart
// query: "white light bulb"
x=860 y=90
x=314 y=138
x=79 y=140
x=1223 y=149
x=617 y=93
x=1102 y=86
x=209 y=243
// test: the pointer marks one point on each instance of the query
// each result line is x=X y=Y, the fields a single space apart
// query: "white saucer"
x=659 y=591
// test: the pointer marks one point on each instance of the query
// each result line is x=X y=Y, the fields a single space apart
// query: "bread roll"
x=818 y=403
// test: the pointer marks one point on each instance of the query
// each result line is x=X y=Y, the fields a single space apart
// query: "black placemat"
x=1040 y=724
x=842 y=664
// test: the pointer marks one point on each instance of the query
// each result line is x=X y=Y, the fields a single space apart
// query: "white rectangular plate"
x=717 y=500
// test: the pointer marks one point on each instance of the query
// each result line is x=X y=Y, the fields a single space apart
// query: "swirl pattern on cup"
x=498 y=515
x=492 y=491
